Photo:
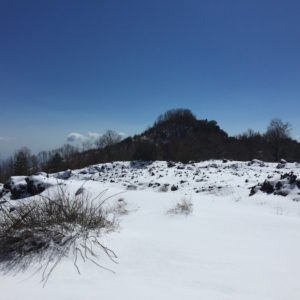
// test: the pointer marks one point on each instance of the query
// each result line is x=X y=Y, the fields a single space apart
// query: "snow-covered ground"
x=231 y=246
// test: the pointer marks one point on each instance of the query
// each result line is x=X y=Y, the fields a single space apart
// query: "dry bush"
x=120 y=208
x=48 y=229
x=164 y=188
x=183 y=207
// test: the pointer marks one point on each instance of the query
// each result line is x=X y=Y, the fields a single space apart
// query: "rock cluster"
x=286 y=184
x=21 y=186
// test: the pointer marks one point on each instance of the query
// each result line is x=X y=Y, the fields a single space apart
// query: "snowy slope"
x=232 y=246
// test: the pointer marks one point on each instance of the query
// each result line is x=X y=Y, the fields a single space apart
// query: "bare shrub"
x=120 y=208
x=109 y=138
x=183 y=207
x=48 y=229
x=164 y=188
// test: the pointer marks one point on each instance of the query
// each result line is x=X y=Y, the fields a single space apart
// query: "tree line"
x=176 y=135
x=65 y=157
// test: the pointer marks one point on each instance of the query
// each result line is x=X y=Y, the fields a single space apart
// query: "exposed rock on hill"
x=21 y=186
x=286 y=184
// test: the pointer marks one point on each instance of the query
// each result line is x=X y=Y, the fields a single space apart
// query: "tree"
x=1 y=172
x=179 y=115
x=109 y=138
x=68 y=152
x=21 y=162
x=277 y=133
x=87 y=145
x=145 y=151
x=34 y=164
x=55 y=164
x=43 y=157
x=250 y=144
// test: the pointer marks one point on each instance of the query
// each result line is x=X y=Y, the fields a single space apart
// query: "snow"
x=231 y=246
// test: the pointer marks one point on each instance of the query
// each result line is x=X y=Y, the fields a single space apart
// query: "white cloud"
x=94 y=135
x=75 y=137
x=78 y=137
x=91 y=137
x=122 y=134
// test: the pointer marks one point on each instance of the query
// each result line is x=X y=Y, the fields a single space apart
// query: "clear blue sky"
x=85 y=66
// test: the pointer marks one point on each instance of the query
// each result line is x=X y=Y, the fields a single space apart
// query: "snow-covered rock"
x=65 y=174
x=36 y=184
x=216 y=252
x=23 y=186
x=286 y=184
x=256 y=162
x=17 y=186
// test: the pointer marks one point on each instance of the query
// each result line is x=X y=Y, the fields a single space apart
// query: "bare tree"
x=1 y=172
x=68 y=151
x=251 y=144
x=43 y=157
x=87 y=145
x=55 y=163
x=34 y=164
x=277 y=133
x=109 y=138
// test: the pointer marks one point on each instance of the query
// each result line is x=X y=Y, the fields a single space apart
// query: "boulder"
x=131 y=187
x=21 y=186
x=36 y=184
x=281 y=166
x=66 y=174
x=174 y=188
x=286 y=184
x=256 y=162
x=17 y=185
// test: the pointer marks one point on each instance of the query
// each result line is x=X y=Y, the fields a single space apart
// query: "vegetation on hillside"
x=176 y=135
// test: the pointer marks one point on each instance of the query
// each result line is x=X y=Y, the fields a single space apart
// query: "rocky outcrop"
x=286 y=184
x=256 y=162
x=22 y=186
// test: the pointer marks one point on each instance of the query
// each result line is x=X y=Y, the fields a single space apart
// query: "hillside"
x=176 y=135
x=228 y=245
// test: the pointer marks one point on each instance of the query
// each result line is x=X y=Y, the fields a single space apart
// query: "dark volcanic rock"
x=170 y=164
x=283 y=186
x=131 y=187
x=267 y=187
x=174 y=188
x=280 y=166
x=21 y=187
x=17 y=187
x=256 y=162
x=67 y=174
x=35 y=186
